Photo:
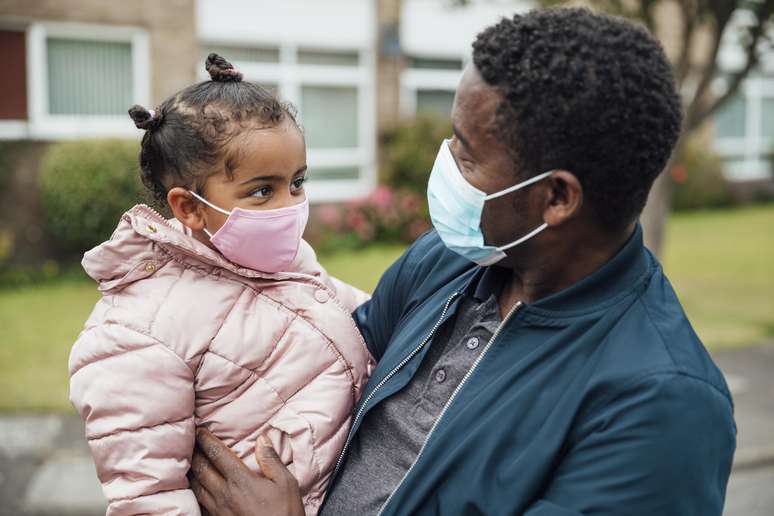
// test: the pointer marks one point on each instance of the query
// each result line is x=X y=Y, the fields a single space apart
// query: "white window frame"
x=43 y=125
x=290 y=76
x=752 y=145
x=415 y=80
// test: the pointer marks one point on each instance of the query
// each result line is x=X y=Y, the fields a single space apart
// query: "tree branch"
x=689 y=12
x=721 y=13
x=699 y=115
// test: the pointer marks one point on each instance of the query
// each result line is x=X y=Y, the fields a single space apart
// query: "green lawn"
x=722 y=266
x=721 y=263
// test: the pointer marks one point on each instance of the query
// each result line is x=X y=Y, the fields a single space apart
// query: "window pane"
x=731 y=118
x=89 y=77
x=334 y=174
x=767 y=120
x=329 y=116
x=435 y=64
x=435 y=102
x=245 y=54
x=320 y=57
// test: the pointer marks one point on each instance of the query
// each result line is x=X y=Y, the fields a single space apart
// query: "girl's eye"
x=262 y=192
x=298 y=183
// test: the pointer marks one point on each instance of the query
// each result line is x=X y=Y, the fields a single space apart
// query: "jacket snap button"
x=440 y=376
x=321 y=296
x=151 y=229
x=150 y=267
x=472 y=343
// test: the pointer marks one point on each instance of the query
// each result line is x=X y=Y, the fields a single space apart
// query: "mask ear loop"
x=519 y=186
x=513 y=188
x=208 y=203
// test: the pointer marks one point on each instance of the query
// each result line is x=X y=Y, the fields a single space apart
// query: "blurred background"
x=374 y=82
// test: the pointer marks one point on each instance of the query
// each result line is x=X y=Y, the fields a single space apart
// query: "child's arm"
x=137 y=399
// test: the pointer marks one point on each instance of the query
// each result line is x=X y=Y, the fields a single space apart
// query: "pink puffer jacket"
x=184 y=338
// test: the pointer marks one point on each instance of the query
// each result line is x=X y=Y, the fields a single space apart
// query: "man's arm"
x=665 y=447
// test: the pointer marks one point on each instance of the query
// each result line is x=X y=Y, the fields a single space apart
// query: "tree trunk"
x=389 y=64
x=656 y=213
x=655 y=216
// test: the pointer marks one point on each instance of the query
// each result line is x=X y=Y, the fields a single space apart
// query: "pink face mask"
x=262 y=240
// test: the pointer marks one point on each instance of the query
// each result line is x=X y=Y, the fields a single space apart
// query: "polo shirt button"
x=472 y=343
x=440 y=376
x=321 y=296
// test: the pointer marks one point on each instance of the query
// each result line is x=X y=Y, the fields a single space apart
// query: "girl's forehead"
x=279 y=150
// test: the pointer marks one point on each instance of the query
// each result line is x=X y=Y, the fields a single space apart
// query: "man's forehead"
x=475 y=105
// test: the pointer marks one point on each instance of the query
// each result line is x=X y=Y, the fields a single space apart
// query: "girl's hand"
x=224 y=486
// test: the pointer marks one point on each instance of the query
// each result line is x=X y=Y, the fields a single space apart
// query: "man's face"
x=485 y=162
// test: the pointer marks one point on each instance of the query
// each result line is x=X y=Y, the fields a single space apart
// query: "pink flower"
x=382 y=196
x=328 y=214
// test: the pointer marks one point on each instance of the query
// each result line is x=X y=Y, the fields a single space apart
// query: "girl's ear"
x=186 y=208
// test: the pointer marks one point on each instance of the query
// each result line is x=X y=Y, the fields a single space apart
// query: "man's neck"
x=557 y=271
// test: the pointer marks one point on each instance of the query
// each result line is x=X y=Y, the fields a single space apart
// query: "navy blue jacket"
x=597 y=400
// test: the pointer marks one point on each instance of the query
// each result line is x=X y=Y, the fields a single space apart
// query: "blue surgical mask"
x=456 y=207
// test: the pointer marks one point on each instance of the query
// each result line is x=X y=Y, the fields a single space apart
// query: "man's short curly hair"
x=588 y=93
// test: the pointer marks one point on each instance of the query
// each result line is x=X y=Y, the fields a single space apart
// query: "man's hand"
x=224 y=486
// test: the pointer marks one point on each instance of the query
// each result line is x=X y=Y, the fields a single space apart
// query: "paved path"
x=46 y=470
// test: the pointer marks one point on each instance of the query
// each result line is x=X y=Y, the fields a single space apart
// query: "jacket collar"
x=141 y=228
x=624 y=273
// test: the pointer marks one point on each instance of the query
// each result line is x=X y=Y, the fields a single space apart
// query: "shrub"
x=387 y=216
x=85 y=186
x=410 y=150
x=699 y=181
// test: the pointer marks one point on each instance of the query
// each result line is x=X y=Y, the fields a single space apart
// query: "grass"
x=721 y=264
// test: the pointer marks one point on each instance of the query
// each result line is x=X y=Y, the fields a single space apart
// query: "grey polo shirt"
x=391 y=435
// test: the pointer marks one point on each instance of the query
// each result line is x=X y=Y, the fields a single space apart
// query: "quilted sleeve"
x=351 y=297
x=137 y=399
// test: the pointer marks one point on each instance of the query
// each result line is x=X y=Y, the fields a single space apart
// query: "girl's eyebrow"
x=270 y=178
x=273 y=178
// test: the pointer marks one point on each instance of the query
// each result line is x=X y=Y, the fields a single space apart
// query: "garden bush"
x=410 y=150
x=699 y=181
x=85 y=186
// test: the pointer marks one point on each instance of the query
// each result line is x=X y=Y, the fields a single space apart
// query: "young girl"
x=221 y=317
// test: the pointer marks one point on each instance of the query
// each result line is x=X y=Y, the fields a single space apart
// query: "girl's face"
x=268 y=171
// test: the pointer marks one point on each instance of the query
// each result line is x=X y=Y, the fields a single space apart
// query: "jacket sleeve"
x=351 y=297
x=137 y=399
x=664 y=447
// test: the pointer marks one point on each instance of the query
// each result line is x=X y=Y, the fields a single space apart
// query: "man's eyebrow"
x=461 y=138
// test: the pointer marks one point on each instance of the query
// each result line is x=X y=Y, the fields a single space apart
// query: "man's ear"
x=564 y=198
x=186 y=208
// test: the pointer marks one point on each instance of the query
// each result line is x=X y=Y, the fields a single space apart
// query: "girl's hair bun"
x=221 y=70
x=144 y=118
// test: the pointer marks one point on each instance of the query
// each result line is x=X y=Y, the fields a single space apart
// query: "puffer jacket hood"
x=182 y=338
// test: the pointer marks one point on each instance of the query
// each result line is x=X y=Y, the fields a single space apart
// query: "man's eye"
x=298 y=183
x=262 y=192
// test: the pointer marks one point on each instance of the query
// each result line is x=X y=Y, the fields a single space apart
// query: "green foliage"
x=410 y=150
x=85 y=186
x=699 y=182
x=6 y=169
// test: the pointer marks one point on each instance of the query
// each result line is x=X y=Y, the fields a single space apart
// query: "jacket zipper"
x=385 y=379
x=451 y=400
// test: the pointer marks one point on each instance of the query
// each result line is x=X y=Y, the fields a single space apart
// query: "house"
x=73 y=67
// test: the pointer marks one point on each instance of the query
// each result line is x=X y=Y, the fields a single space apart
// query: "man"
x=560 y=376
